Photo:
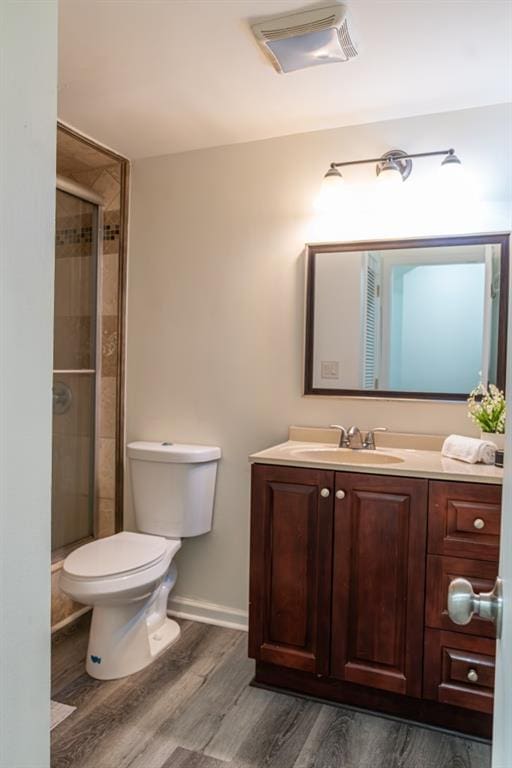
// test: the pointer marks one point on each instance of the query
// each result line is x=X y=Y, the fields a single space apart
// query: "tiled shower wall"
x=105 y=182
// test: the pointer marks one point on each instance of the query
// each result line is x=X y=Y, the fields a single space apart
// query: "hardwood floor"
x=194 y=708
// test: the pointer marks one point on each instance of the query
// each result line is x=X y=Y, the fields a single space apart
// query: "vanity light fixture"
x=392 y=168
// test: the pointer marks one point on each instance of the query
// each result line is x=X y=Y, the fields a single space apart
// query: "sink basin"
x=345 y=456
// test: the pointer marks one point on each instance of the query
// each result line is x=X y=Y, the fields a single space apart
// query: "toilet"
x=126 y=578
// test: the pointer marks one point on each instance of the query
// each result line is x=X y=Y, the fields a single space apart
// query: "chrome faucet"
x=356 y=442
x=355 y=439
x=344 y=442
x=369 y=441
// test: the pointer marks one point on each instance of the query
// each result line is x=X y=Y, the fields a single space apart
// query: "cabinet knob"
x=478 y=523
x=473 y=676
x=325 y=493
x=340 y=494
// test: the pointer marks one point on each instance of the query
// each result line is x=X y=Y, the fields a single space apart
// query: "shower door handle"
x=62 y=397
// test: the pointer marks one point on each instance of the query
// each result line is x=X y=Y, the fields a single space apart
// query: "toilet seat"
x=124 y=566
x=120 y=555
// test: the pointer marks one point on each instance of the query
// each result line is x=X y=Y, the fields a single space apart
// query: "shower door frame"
x=89 y=196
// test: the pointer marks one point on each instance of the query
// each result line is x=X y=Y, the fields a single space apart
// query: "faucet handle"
x=343 y=435
x=369 y=441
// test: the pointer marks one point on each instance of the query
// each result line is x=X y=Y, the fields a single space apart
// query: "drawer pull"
x=325 y=493
x=340 y=494
x=473 y=676
x=478 y=523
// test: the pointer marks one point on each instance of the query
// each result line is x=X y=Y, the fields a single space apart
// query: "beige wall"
x=216 y=310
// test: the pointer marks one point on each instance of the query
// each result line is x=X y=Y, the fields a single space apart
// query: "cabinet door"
x=379 y=581
x=291 y=567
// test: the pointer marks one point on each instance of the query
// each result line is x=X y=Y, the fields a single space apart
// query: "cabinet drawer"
x=440 y=572
x=459 y=670
x=464 y=520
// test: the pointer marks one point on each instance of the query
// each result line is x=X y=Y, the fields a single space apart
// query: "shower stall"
x=76 y=362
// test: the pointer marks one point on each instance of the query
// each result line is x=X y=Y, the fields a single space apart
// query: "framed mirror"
x=418 y=318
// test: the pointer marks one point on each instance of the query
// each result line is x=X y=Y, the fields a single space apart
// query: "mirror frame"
x=502 y=238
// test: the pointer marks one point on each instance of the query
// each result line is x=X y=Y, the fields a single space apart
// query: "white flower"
x=487 y=408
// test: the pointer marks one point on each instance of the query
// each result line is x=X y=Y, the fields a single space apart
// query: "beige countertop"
x=406 y=455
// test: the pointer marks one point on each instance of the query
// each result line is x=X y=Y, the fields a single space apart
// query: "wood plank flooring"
x=193 y=708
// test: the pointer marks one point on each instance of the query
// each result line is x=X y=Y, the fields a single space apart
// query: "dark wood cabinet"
x=463 y=541
x=348 y=591
x=380 y=528
x=291 y=573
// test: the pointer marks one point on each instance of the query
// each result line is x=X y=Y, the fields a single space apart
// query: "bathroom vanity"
x=352 y=553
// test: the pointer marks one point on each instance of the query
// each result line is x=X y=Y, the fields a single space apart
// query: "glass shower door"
x=75 y=366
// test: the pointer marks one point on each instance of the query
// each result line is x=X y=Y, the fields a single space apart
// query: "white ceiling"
x=151 y=77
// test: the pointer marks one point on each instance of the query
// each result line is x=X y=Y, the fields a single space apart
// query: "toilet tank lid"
x=174 y=453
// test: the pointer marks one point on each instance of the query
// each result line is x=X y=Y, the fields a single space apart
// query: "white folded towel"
x=469 y=449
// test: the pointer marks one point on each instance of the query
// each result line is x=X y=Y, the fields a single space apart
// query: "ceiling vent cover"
x=307 y=38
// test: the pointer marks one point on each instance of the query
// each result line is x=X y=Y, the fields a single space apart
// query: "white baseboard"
x=187 y=608
x=208 y=613
x=70 y=619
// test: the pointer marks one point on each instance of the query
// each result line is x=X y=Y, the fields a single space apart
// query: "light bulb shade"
x=456 y=182
x=451 y=161
x=389 y=174
x=451 y=167
x=330 y=196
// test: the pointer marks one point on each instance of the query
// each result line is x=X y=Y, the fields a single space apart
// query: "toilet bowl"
x=126 y=578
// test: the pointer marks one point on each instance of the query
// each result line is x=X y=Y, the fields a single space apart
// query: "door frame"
x=502 y=722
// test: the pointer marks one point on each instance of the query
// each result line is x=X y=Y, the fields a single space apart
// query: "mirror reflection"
x=415 y=320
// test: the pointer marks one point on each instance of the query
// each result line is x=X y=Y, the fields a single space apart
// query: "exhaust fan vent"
x=299 y=29
x=307 y=38
x=346 y=41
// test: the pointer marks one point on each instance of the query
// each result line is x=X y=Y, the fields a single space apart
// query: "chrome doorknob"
x=463 y=603
x=325 y=493
x=340 y=494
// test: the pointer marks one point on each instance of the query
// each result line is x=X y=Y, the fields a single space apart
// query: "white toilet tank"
x=173 y=487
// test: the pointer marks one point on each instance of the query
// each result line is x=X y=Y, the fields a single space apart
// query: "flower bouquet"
x=487 y=409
